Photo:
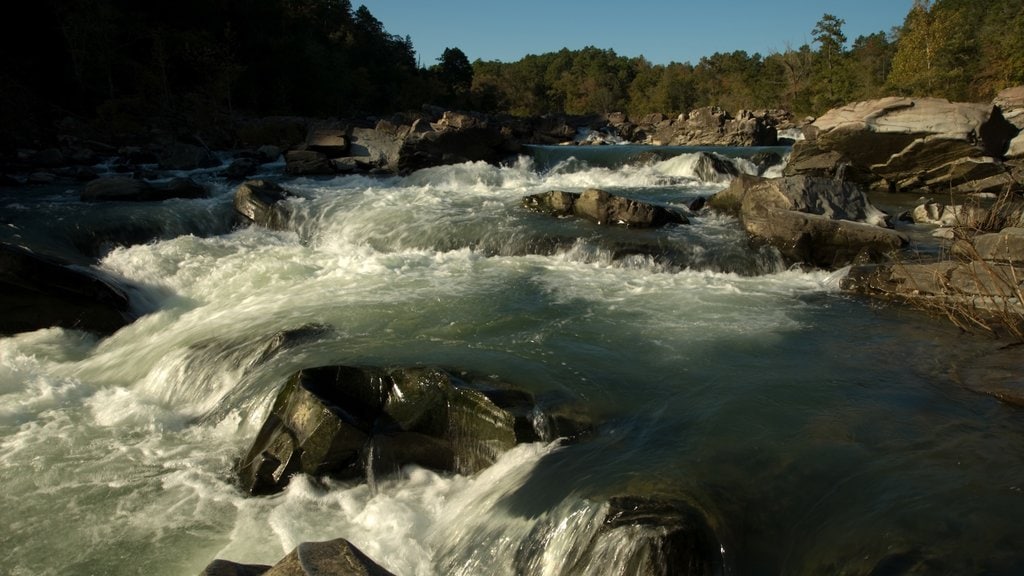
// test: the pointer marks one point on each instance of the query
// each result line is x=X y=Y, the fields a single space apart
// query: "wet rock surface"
x=603 y=208
x=351 y=422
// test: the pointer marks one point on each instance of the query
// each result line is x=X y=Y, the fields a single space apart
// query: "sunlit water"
x=821 y=433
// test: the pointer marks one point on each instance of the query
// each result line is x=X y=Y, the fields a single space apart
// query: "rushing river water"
x=821 y=433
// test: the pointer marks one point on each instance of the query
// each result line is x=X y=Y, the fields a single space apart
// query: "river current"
x=821 y=433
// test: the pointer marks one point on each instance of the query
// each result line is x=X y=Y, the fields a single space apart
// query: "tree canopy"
x=116 y=58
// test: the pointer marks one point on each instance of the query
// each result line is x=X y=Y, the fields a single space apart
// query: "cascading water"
x=818 y=433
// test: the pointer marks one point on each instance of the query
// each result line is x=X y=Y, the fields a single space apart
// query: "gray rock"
x=816 y=221
x=603 y=208
x=263 y=203
x=240 y=168
x=228 y=568
x=307 y=163
x=332 y=558
x=1011 y=102
x=1005 y=246
x=907 y=144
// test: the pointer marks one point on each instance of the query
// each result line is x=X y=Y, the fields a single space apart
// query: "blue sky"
x=661 y=30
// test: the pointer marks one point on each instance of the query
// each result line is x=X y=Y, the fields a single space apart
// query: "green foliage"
x=322 y=57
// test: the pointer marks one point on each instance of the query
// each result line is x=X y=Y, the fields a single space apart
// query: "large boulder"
x=263 y=203
x=351 y=422
x=816 y=221
x=908 y=144
x=1011 y=102
x=38 y=291
x=337 y=557
x=603 y=208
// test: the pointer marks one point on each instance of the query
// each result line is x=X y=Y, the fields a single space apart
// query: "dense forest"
x=199 y=60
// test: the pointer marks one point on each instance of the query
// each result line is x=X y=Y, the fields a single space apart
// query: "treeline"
x=956 y=49
x=124 y=59
x=201 y=59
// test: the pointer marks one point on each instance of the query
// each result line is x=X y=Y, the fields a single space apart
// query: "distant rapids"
x=820 y=433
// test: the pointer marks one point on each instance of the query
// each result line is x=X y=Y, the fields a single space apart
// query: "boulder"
x=1005 y=246
x=474 y=143
x=660 y=538
x=307 y=163
x=38 y=291
x=379 y=146
x=816 y=221
x=337 y=557
x=908 y=144
x=241 y=168
x=263 y=203
x=329 y=139
x=996 y=374
x=603 y=208
x=134 y=190
x=347 y=422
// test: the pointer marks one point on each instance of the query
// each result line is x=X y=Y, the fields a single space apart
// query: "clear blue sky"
x=661 y=30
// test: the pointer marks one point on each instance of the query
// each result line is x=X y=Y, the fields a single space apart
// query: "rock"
x=765 y=160
x=711 y=126
x=379 y=146
x=263 y=203
x=332 y=558
x=603 y=208
x=1005 y=246
x=1016 y=148
x=1011 y=102
x=815 y=221
x=40 y=292
x=663 y=537
x=240 y=169
x=907 y=144
x=329 y=139
x=228 y=568
x=996 y=374
x=346 y=422
x=947 y=215
x=268 y=153
x=184 y=156
x=282 y=132
x=48 y=158
x=132 y=190
x=307 y=163
x=711 y=167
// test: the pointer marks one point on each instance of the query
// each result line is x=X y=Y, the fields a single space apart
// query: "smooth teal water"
x=821 y=433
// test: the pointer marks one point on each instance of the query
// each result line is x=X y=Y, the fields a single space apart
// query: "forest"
x=198 y=61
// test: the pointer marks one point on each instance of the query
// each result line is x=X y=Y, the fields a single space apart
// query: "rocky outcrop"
x=135 y=190
x=337 y=557
x=908 y=144
x=348 y=422
x=815 y=221
x=38 y=292
x=603 y=208
x=983 y=280
x=708 y=126
x=263 y=203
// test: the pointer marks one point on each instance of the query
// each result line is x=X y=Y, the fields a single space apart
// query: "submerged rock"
x=653 y=537
x=346 y=421
x=603 y=208
x=816 y=221
x=41 y=292
x=337 y=557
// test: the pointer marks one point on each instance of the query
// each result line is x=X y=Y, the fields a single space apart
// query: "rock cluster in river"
x=604 y=208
